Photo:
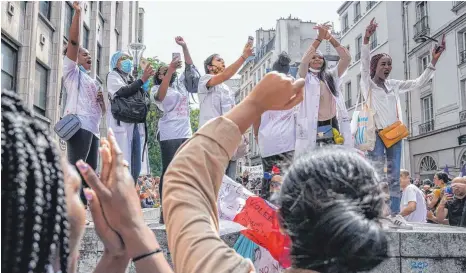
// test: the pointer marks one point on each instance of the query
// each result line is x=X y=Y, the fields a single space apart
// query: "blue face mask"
x=83 y=69
x=126 y=66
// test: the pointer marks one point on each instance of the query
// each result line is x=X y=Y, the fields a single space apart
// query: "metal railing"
x=370 y=4
x=421 y=27
x=357 y=17
x=426 y=127
x=457 y=5
x=463 y=57
x=357 y=56
x=463 y=116
x=348 y=103
x=345 y=30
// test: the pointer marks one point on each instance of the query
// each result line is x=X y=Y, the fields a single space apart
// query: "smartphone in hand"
x=143 y=63
x=176 y=55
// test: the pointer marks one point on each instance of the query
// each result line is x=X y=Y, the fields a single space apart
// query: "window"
x=358 y=47
x=357 y=11
x=373 y=40
x=85 y=37
x=462 y=47
x=370 y=4
x=348 y=101
x=44 y=8
x=421 y=9
x=101 y=6
x=424 y=62
x=9 y=62
x=40 y=89
x=421 y=27
x=68 y=19
x=428 y=164
x=358 y=84
x=427 y=109
x=345 y=24
x=98 y=58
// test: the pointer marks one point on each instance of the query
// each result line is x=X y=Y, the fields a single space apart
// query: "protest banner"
x=254 y=171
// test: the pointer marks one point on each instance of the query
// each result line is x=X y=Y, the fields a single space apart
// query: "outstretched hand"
x=370 y=29
x=323 y=31
x=180 y=41
x=439 y=49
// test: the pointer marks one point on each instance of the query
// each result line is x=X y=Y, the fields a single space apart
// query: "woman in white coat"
x=120 y=82
x=323 y=106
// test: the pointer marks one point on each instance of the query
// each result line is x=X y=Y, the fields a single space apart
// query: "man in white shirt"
x=413 y=205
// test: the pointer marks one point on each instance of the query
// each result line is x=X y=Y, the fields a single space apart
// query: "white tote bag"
x=363 y=125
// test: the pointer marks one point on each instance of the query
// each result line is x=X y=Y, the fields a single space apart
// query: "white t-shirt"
x=214 y=101
x=175 y=122
x=86 y=107
x=412 y=194
x=277 y=132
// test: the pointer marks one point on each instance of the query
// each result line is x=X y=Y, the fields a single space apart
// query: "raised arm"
x=343 y=53
x=365 y=58
x=231 y=70
x=304 y=65
x=73 y=45
x=256 y=125
x=162 y=92
x=187 y=57
x=193 y=180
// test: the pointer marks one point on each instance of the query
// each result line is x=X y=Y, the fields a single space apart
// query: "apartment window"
x=421 y=9
x=462 y=47
x=348 y=101
x=40 y=89
x=422 y=25
x=98 y=58
x=373 y=40
x=68 y=19
x=358 y=48
x=101 y=6
x=357 y=11
x=427 y=115
x=9 y=62
x=424 y=62
x=44 y=8
x=85 y=37
x=370 y=4
x=345 y=25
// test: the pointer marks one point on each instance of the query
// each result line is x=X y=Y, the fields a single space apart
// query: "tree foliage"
x=155 y=156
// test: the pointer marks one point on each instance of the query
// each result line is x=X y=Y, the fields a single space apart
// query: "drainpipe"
x=404 y=16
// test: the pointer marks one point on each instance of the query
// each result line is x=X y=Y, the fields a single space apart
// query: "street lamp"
x=423 y=38
x=136 y=50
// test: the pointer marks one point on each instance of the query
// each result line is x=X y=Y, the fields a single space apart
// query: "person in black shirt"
x=454 y=207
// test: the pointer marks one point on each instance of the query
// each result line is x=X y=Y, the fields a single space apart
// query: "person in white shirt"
x=120 y=82
x=385 y=102
x=324 y=104
x=172 y=98
x=82 y=99
x=215 y=97
x=413 y=205
x=275 y=133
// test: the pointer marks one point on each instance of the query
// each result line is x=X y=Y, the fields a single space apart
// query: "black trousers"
x=168 y=149
x=282 y=161
x=83 y=145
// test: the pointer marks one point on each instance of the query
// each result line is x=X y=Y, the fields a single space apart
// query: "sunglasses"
x=126 y=58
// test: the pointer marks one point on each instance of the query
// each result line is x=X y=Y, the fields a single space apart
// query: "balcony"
x=348 y=103
x=426 y=127
x=463 y=116
x=457 y=5
x=370 y=4
x=463 y=57
x=357 y=56
x=421 y=27
x=357 y=17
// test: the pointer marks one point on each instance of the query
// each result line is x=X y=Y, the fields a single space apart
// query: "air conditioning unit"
x=11 y=9
x=42 y=39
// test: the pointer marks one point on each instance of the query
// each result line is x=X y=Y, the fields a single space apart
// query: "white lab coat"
x=124 y=131
x=308 y=113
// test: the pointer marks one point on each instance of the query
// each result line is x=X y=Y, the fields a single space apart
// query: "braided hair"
x=375 y=60
x=34 y=216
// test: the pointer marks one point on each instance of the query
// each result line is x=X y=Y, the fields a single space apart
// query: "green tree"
x=155 y=155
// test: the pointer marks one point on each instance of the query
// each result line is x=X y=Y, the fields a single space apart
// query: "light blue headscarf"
x=116 y=56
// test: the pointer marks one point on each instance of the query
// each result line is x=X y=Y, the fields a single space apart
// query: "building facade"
x=33 y=38
x=437 y=111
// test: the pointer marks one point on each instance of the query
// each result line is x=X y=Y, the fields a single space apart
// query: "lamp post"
x=136 y=50
x=423 y=38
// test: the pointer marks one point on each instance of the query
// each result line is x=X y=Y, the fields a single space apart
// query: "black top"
x=456 y=209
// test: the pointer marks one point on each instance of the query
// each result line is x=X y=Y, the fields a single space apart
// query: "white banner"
x=231 y=198
x=254 y=171
x=264 y=262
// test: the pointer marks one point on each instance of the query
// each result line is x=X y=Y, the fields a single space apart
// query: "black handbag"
x=67 y=127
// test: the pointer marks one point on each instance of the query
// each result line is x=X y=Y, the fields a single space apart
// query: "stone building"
x=33 y=37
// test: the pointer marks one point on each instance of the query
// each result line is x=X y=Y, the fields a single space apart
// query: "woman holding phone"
x=172 y=98
x=385 y=102
x=215 y=97
x=120 y=82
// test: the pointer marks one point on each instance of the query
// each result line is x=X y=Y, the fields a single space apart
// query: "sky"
x=220 y=27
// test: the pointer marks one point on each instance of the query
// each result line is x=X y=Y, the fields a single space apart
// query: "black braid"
x=34 y=216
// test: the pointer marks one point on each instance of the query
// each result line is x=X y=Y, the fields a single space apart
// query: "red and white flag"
x=259 y=217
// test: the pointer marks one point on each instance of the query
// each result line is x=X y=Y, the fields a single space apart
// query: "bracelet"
x=319 y=40
x=158 y=250
x=243 y=57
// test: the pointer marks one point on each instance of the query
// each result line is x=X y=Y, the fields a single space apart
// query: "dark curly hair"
x=158 y=81
x=330 y=202
x=282 y=64
x=34 y=216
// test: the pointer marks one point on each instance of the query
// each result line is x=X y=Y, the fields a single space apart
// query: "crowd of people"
x=329 y=196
